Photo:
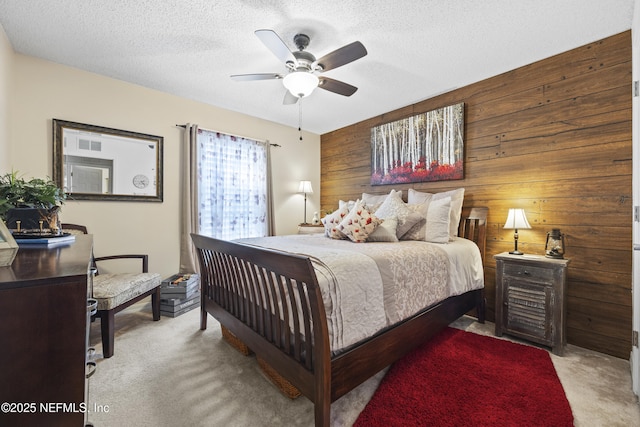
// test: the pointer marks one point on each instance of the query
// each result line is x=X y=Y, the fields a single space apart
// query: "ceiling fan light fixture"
x=300 y=83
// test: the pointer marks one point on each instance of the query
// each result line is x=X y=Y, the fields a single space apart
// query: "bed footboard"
x=272 y=302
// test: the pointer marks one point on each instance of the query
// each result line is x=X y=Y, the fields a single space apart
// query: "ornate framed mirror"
x=99 y=163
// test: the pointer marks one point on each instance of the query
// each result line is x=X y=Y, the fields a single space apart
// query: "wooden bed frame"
x=234 y=276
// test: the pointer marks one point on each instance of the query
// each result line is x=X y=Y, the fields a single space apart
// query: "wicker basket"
x=235 y=342
x=283 y=385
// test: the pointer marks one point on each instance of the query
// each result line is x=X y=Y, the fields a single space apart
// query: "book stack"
x=178 y=294
x=43 y=240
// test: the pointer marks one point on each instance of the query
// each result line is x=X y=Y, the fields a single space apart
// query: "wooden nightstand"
x=531 y=299
x=310 y=228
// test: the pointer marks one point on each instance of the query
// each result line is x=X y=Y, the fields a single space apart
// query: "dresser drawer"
x=528 y=271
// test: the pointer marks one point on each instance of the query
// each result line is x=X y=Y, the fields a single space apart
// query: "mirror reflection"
x=98 y=163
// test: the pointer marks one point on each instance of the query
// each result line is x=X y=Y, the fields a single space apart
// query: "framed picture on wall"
x=425 y=147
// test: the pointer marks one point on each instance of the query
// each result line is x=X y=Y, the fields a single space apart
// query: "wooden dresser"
x=43 y=326
x=531 y=301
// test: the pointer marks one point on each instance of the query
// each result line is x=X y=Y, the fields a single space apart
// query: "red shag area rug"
x=465 y=379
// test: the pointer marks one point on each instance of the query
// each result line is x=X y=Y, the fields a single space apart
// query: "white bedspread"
x=368 y=286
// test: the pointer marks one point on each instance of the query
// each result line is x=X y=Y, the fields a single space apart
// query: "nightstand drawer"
x=524 y=271
x=310 y=228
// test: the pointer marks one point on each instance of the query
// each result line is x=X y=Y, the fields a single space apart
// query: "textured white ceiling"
x=416 y=49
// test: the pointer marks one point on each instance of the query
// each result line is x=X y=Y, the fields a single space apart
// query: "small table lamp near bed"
x=305 y=187
x=516 y=219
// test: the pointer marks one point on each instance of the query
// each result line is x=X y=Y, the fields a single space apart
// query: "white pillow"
x=457 y=198
x=359 y=223
x=438 y=218
x=374 y=201
x=417 y=232
x=394 y=207
x=415 y=197
x=385 y=232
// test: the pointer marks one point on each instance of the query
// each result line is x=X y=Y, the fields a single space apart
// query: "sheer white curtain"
x=234 y=197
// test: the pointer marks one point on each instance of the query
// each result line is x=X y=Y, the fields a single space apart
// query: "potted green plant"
x=30 y=201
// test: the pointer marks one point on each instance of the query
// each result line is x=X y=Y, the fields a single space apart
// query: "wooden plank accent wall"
x=554 y=138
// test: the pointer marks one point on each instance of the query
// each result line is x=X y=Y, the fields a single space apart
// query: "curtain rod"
x=239 y=136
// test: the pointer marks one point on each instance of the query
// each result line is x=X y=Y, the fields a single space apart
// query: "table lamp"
x=305 y=187
x=516 y=219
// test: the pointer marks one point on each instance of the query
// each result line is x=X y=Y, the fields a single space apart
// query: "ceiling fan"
x=302 y=66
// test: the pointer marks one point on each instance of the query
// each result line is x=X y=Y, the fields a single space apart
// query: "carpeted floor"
x=169 y=373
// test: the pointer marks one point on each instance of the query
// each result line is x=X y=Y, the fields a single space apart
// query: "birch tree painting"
x=425 y=147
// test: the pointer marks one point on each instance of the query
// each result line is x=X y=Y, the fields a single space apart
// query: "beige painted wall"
x=6 y=55
x=45 y=90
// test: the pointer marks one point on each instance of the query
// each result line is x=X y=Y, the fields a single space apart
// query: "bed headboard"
x=473 y=226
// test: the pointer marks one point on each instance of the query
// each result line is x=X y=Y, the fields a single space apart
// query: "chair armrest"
x=144 y=258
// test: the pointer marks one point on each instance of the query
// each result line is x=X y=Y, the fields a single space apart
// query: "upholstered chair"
x=117 y=291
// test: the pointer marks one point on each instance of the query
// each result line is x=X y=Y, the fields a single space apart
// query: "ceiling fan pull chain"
x=300 y=118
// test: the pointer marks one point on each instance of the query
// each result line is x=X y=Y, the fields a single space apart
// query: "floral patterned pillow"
x=359 y=223
x=333 y=220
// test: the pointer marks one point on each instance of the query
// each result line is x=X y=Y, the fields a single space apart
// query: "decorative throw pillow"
x=359 y=223
x=457 y=198
x=332 y=221
x=417 y=232
x=395 y=207
x=385 y=232
x=374 y=201
x=350 y=204
x=438 y=218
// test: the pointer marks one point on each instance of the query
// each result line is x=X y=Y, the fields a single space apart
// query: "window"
x=233 y=187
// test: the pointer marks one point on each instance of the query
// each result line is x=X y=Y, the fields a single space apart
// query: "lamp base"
x=516 y=253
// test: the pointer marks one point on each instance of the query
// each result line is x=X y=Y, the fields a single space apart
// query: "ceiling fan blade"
x=342 y=56
x=289 y=98
x=275 y=44
x=336 y=86
x=258 y=76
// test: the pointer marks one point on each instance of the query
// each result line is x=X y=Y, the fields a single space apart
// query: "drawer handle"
x=526 y=273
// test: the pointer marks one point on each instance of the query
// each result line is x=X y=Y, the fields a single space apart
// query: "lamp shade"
x=516 y=219
x=300 y=83
x=305 y=187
